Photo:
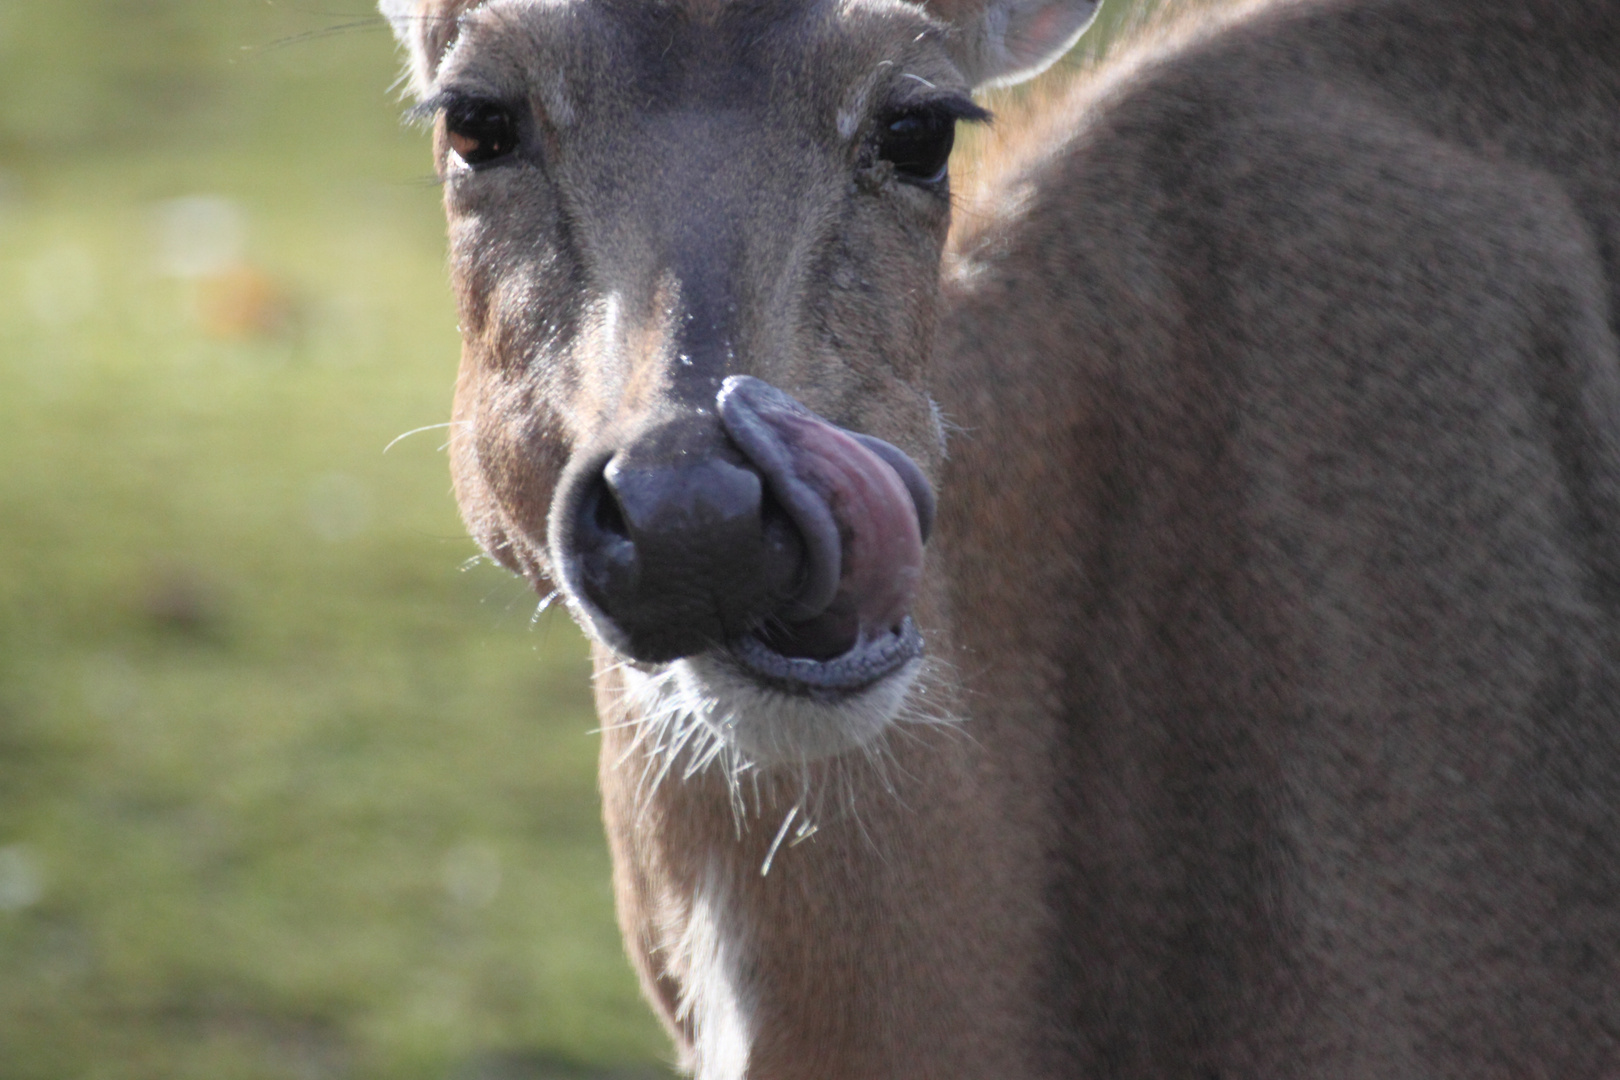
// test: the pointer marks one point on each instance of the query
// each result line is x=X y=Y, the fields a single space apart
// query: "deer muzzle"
x=757 y=525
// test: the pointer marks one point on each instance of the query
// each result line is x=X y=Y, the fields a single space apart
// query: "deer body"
x=1275 y=578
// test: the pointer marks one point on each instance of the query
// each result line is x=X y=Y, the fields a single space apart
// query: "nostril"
x=606 y=513
x=681 y=551
x=607 y=555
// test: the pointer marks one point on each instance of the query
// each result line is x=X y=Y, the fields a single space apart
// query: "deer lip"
x=870 y=661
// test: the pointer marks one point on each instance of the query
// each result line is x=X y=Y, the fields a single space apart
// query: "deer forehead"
x=826 y=64
x=711 y=144
x=689 y=207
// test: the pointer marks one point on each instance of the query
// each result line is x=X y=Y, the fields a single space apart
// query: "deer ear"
x=1007 y=41
x=427 y=29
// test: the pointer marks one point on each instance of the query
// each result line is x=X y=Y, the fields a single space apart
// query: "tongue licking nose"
x=862 y=506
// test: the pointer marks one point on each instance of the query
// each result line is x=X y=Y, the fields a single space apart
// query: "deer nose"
x=678 y=543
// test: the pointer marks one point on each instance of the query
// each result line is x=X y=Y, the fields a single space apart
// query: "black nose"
x=677 y=542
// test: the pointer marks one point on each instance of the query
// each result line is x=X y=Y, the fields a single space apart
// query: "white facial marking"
x=770 y=727
x=714 y=996
x=682 y=724
x=610 y=322
x=558 y=104
x=937 y=416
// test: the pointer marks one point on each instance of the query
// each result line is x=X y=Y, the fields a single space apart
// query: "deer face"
x=696 y=253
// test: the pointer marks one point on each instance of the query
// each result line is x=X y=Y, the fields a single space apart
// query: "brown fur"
x=1277 y=574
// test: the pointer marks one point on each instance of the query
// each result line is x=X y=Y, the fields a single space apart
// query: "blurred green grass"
x=285 y=790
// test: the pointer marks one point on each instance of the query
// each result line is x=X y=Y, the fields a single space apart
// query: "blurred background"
x=288 y=787
x=292 y=785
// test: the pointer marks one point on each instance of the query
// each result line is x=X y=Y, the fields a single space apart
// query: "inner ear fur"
x=1002 y=42
x=427 y=29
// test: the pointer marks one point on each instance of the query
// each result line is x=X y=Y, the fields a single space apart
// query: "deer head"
x=696 y=248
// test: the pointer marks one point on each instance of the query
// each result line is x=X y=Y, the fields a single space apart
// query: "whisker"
x=781 y=833
x=680 y=731
x=417 y=431
x=545 y=602
x=376 y=22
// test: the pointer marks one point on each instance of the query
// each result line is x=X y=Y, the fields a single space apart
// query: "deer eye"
x=480 y=131
x=918 y=143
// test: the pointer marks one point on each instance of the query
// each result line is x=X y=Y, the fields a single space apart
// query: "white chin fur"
x=765 y=726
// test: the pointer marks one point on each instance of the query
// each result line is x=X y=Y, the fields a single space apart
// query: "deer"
x=1154 y=614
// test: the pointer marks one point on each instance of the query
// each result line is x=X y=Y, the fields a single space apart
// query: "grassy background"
x=286 y=788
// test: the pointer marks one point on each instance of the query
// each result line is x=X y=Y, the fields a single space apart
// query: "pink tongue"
x=877 y=556
x=880 y=544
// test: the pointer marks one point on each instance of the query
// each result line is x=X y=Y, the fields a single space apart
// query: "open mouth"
x=864 y=510
x=870 y=661
x=766 y=588
x=761 y=576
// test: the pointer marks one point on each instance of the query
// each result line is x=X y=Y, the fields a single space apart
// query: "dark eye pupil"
x=918 y=144
x=480 y=131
